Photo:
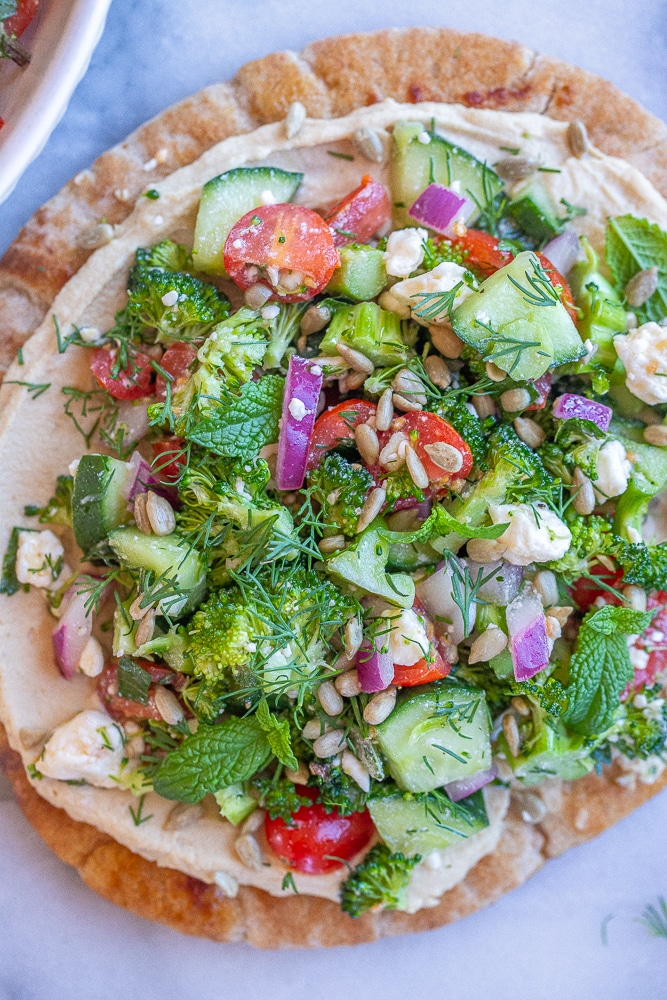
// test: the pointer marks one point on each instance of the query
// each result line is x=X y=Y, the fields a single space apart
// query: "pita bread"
x=331 y=78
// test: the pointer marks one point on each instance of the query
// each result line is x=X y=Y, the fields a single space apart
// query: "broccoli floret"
x=59 y=508
x=437 y=251
x=341 y=490
x=223 y=637
x=636 y=732
x=197 y=310
x=282 y=331
x=473 y=430
x=280 y=798
x=237 y=345
x=338 y=791
x=644 y=565
x=368 y=328
x=590 y=538
x=168 y=255
x=400 y=486
x=380 y=881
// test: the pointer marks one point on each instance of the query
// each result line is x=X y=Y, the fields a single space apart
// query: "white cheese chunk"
x=531 y=535
x=408 y=640
x=407 y=296
x=39 y=558
x=644 y=353
x=613 y=470
x=405 y=251
x=87 y=748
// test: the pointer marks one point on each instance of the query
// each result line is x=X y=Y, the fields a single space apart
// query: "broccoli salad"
x=362 y=513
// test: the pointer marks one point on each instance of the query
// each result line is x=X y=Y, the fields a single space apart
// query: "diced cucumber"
x=363 y=565
x=99 y=498
x=225 y=199
x=415 y=165
x=234 y=804
x=368 y=328
x=532 y=210
x=516 y=320
x=171 y=559
x=554 y=754
x=361 y=275
x=428 y=823
x=436 y=735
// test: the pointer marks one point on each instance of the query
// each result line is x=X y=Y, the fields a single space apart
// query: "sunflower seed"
x=641 y=286
x=367 y=443
x=495 y=373
x=553 y=628
x=521 y=706
x=330 y=744
x=331 y=544
x=168 y=705
x=635 y=596
x=380 y=707
x=577 y=138
x=141 y=514
x=314 y=728
x=227 y=884
x=561 y=613
x=407 y=405
x=515 y=168
x=295 y=119
x=445 y=456
x=356 y=770
x=372 y=506
x=367 y=143
x=183 y=815
x=96 y=236
x=530 y=432
x=445 y=340
x=410 y=386
x=256 y=296
x=487 y=645
x=512 y=735
x=354 y=636
x=437 y=371
x=136 y=611
x=484 y=406
x=329 y=698
x=416 y=468
x=314 y=319
x=253 y=822
x=656 y=434
x=584 y=494
x=298 y=777
x=160 y=513
x=546 y=586
x=145 y=628
x=355 y=359
x=385 y=411
x=249 y=852
x=347 y=684
x=515 y=399
x=32 y=738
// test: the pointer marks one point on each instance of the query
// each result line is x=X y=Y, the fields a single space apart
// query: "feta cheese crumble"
x=405 y=297
x=39 y=558
x=297 y=408
x=87 y=748
x=644 y=353
x=533 y=534
x=613 y=469
x=408 y=639
x=170 y=298
x=405 y=251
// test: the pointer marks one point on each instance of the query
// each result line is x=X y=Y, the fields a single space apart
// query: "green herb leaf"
x=240 y=427
x=278 y=734
x=133 y=680
x=440 y=523
x=213 y=758
x=600 y=667
x=632 y=246
x=9 y=582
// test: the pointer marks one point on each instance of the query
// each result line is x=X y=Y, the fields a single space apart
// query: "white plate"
x=33 y=99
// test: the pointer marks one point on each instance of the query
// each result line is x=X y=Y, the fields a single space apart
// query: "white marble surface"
x=59 y=941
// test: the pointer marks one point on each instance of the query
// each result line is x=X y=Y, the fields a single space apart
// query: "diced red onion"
x=435 y=593
x=464 y=787
x=527 y=626
x=504 y=584
x=542 y=386
x=72 y=632
x=375 y=665
x=302 y=392
x=142 y=477
x=563 y=251
x=570 y=405
x=438 y=207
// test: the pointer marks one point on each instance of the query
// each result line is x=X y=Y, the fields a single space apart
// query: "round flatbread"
x=331 y=78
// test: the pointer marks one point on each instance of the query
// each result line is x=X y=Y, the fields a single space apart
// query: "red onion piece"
x=302 y=392
x=464 y=787
x=438 y=207
x=570 y=405
x=504 y=584
x=142 y=477
x=527 y=626
x=72 y=632
x=375 y=665
x=542 y=386
x=563 y=251
x=435 y=593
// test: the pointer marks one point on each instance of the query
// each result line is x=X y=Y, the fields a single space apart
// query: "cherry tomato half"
x=176 y=361
x=18 y=22
x=163 y=451
x=360 y=214
x=132 y=382
x=337 y=425
x=317 y=838
x=654 y=641
x=290 y=248
x=427 y=429
x=585 y=592
x=120 y=708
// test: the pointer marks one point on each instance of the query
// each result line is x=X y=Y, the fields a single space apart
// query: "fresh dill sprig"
x=540 y=291
x=654 y=918
x=434 y=304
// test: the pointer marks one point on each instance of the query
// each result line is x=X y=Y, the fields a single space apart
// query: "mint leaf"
x=440 y=523
x=133 y=680
x=278 y=734
x=600 y=667
x=213 y=758
x=633 y=245
x=240 y=426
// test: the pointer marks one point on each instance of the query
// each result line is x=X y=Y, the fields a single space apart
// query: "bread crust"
x=331 y=77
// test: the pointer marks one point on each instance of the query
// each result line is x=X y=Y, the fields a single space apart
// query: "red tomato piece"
x=290 y=248
x=132 y=382
x=318 y=838
x=584 y=591
x=18 y=22
x=122 y=709
x=542 y=385
x=168 y=471
x=176 y=361
x=337 y=425
x=561 y=286
x=360 y=214
x=654 y=641
x=426 y=429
